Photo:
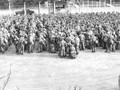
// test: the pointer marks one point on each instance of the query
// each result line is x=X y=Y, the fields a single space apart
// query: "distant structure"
x=56 y=5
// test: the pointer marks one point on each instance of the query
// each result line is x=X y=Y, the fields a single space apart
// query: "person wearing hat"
x=77 y=44
x=82 y=42
x=62 y=48
x=73 y=54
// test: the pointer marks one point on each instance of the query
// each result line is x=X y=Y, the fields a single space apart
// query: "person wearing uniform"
x=77 y=44
x=62 y=46
x=93 y=41
x=72 y=52
x=82 y=41
x=109 y=41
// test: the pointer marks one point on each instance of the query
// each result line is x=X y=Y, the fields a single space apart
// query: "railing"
x=3 y=7
x=82 y=4
x=19 y=6
x=116 y=4
x=92 y=4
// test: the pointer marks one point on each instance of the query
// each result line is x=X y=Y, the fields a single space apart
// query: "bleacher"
x=92 y=4
x=116 y=4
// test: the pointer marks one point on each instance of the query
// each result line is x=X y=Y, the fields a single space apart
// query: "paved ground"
x=45 y=71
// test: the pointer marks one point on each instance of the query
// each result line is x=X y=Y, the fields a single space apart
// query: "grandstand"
x=72 y=6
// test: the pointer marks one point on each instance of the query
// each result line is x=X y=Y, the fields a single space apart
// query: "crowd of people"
x=65 y=34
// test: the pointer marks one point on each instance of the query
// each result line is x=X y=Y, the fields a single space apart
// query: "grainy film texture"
x=59 y=44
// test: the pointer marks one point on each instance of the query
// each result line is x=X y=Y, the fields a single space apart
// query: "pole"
x=79 y=6
x=99 y=3
x=39 y=8
x=92 y=3
x=49 y=6
x=88 y=3
x=111 y=2
x=70 y=8
x=105 y=3
x=10 y=8
x=82 y=4
x=54 y=7
x=25 y=8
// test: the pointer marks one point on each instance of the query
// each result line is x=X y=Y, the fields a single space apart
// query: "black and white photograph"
x=59 y=44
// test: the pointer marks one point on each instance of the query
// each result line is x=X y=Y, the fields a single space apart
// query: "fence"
x=116 y=4
x=92 y=4
x=85 y=6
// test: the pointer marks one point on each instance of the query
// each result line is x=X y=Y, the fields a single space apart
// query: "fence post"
x=104 y=3
x=25 y=8
x=88 y=3
x=9 y=7
x=39 y=8
x=110 y=2
x=99 y=3
x=82 y=4
x=48 y=6
x=92 y=3
x=79 y=6
x=54 y=7
x=69 y=8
